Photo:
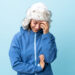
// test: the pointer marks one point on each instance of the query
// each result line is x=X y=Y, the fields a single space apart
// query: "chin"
x=36 y=31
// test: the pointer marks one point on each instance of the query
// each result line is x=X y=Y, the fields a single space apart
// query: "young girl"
x=33 y=48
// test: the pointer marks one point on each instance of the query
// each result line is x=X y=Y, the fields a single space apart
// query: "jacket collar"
x=26 y=30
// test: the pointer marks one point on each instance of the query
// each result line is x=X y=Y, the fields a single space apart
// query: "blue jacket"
x=25 y=49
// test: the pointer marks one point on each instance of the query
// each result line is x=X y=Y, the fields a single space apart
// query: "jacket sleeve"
x=48 y=47
x=16 y=61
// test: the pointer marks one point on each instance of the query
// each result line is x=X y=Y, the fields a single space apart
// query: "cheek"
x=32 y=25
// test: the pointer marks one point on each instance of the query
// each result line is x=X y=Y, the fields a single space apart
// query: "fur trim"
x=37 y=11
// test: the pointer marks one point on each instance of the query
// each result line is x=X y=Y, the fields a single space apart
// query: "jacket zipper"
x=35 y=48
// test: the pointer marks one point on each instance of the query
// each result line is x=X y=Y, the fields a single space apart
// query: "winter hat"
x=37 y=11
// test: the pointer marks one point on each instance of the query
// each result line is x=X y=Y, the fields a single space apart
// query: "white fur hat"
x=37 y=11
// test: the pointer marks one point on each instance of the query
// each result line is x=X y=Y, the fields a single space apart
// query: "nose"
x=37 y=26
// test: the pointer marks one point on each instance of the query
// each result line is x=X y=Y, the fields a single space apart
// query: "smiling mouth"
x=36 y=29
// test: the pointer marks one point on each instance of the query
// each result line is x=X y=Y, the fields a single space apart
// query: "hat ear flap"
x=50 y=13
x=50 y=20
x=25 y=23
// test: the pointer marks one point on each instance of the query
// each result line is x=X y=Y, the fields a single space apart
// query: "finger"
x=45 y=23
x=42 y=58
x=42 y=26
x=41 y=55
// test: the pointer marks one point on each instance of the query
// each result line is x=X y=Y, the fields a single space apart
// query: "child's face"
x=35 y=25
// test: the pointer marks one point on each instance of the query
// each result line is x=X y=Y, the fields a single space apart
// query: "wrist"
x=45 y=32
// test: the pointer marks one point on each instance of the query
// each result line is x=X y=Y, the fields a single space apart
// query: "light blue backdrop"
x=12 y=13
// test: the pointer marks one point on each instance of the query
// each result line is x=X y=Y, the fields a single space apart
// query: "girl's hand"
x=41 y=57
x=45 y=26
x=42 y=63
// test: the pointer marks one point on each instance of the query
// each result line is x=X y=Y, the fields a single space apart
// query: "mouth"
x=36 y=28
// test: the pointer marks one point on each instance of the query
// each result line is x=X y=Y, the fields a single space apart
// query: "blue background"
x=12 y=13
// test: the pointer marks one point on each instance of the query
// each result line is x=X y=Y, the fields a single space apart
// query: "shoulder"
x=16 y=36
x=49 y=35
x=52 y=35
